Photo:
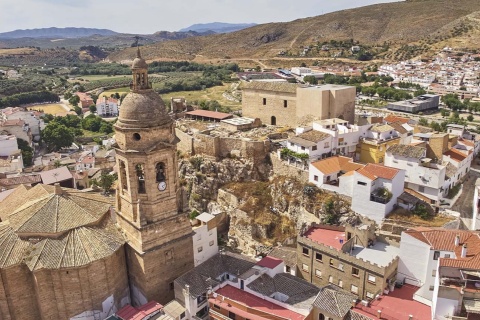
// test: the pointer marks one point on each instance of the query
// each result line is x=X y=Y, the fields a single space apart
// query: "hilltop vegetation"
x=390 y=26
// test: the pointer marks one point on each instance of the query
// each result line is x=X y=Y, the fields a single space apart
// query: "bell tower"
x=159 y=235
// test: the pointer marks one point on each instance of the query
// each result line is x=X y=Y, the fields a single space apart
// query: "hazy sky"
x=148 y=16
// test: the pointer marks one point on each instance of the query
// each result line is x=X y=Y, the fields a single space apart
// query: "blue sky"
x=148 y=16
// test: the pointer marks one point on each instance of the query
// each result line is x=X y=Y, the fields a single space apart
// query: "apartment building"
x=372 y=146
x=205 y=242
x=349 y=257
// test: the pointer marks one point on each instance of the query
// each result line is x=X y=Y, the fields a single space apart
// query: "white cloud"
x=148 y=16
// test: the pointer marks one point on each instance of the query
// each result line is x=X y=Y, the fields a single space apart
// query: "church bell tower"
x=159 y=247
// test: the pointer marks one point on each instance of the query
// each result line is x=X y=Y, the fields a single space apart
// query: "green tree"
x=423 y=122
x=105 y=181
x=27 y=152
x=74 y=100
x=57 y=136
x=470 y=118
x=310 y=79
x=93 y=108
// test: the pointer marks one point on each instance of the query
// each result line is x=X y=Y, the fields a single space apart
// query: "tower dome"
x=142 y=107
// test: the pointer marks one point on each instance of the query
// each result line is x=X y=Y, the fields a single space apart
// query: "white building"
x=107 y=107
x=85 y=163
x=31 y=118
x=205 y=241
x=431 y=180
x=345 y=136
x=8 y=145
x=445 y=265
x=316 y=144
x=375 y=190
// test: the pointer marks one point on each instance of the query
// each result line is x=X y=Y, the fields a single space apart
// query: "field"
x=214 y=93
x=96 y=77
x=49 y=108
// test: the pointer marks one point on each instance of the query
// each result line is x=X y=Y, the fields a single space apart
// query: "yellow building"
x=371 y=151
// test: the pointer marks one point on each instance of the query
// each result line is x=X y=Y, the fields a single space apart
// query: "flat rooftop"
x=239 y=121
x=257 y=303
x=380 y=253
x=331 y=238
x=398 y=304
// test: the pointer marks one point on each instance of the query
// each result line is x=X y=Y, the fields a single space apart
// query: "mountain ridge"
x=54 y=32
x=218 y=27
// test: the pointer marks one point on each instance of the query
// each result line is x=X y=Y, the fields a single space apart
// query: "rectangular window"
x=264 y=101
x=434 y=273
x=305 y=251
x=354 y=289
x=327 y=145
x=369 y=295
x=216 y=307
x=304 y=267
x=421 y=189
x=285 y=103
x=436 y=255
x=231 y=315
x=431 y=288
x=355 y=271
x=287 y=269
x=200 y=249
x=330 y=279
x=371 y=278
x=315 y=178
x=331 y=262
x=182 y=315
x=292 y=144
x=340 y=266
x=447 y=255
x=211 y=243
x=303 y=148
x=314 y=148
x=318 y=256
x=361 y=183
x=340 y=283
x=318 y=273
x=171 y=285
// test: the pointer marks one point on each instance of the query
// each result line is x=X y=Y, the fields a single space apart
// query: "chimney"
x=379 y=314
x=354 y=303
x=457 y=240
x=464 y=251
x=58 y=189
x=410 y=317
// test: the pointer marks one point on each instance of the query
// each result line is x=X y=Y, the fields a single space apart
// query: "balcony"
x=381 y=195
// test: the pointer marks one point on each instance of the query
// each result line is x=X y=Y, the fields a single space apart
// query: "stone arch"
x=273 y=121
x=160 y=172
x=123 y=176
x=140 y=172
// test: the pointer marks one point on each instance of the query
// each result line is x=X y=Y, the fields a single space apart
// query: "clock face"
x=162 y=186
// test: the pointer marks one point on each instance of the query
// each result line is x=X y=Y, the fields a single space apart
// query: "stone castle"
x=66 y=254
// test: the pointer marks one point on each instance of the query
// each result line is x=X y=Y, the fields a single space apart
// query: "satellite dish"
x=215 y=295
x=209 y=291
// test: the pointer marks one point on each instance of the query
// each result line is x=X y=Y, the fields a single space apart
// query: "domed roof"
x=47 y=227
x=139 y=62
x=143 y=109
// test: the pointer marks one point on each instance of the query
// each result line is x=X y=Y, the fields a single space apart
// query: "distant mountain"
x=218 y=27
x=56 y=33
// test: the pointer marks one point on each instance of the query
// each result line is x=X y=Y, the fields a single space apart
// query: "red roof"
x=455 y=154
x=391 y=118
x=331 y=238
x=374 y=171
x=398 y=304
x=209 y=114
x=130 y=313
x=257 y=303
x=269 y=262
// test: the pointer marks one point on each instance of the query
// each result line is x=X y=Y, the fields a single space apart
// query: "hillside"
x=218 y=27
x=397 y=24
x=56 y=33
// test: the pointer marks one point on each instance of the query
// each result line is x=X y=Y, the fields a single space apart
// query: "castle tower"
x=159 y=245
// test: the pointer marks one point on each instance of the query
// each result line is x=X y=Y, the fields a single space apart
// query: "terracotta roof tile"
x=336 y=164
x=408 y=151
x=374 y=171
x=455 y=154
x=392 y=118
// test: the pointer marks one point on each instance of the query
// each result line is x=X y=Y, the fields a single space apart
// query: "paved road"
x=464 y=204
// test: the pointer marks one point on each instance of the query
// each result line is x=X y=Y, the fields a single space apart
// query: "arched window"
x=273 y=121
x=123 y=176
x=140 y=178
x=160 y=172
x=321 y=316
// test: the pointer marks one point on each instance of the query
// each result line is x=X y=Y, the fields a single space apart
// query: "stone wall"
x=282 y=168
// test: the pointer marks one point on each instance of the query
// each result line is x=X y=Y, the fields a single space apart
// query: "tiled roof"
x=374 y=171
x=313 y=136
x=210 y=114
x=272 y=86
x=13 y=181
x=391 y=118
x=407 y=151
x=300 y=293
x=55 y=213
x=440 y=239
x=287 y=254
x=455 y=154
x=68 y=228
x=381 y=128
x=55 y=175
x=398 y=127
x=213 y=268
x=269 y=262
x=334 y=301
x=354 y=315
x=336 y=164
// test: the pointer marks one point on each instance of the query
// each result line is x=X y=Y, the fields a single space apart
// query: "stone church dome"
x=139 y=62
x=142 y=110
